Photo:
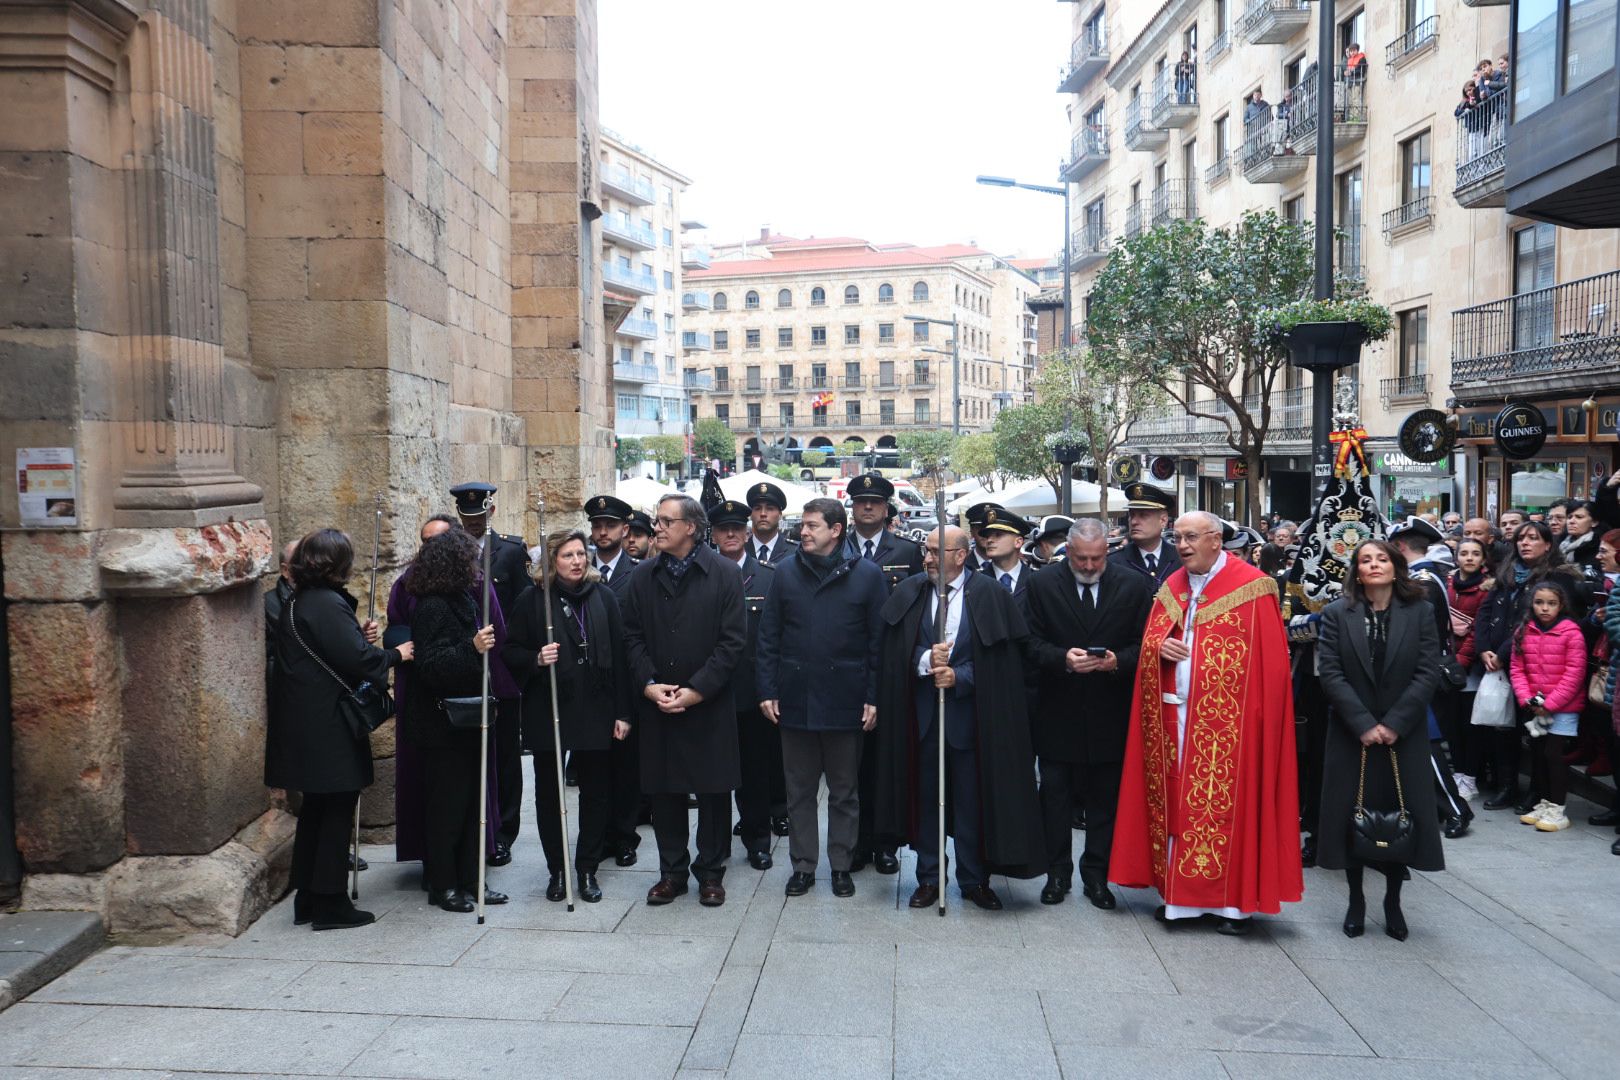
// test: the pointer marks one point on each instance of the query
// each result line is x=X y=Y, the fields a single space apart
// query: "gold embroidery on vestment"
x=1239 y=596
x=1214 y=716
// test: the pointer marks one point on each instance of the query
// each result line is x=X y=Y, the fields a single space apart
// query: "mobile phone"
x=1097 y=651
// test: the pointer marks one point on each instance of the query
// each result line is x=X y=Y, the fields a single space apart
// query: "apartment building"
x=644 y=254
x=1157 y=99
x=814 y=342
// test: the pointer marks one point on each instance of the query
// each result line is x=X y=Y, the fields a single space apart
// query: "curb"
x=37 y=946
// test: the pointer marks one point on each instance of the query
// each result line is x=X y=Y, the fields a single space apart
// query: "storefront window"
x=1535 y=485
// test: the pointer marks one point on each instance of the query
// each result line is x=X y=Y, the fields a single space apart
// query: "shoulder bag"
x=365 y=708
x=1381 y=836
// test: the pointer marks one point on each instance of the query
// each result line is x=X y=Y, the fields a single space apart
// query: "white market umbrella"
x=1036 y=497
x=736 y=488
x=642 y=492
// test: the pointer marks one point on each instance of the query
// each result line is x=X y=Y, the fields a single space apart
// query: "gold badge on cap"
x=866 y=482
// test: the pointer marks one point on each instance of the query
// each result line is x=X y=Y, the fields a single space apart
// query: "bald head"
x=956 y=548
x=1198 y=540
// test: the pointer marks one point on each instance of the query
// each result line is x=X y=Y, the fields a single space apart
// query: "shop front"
x=1580 y=449
x=1407 y=488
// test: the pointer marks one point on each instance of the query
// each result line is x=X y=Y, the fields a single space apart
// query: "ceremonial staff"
x=486 y=587
x=371 y=616
x=556 y=717
x=939 y=637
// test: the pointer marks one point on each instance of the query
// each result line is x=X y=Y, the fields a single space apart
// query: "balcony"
x=1422 y=38
x=1218 y=172
x=1139 y=134
x=1349 y=272
x=1482 y=154
x=1087 y=58
x=1404 y=390
x=1087 y=150
x=753 y=385
x=641 y=329
x=698 y=380
x=637 y=282
x=1349 y=114
x=1133 y=221
x=696 y=300
x=696 y=341
x=1267 y=157
x=922 y=380
x=1175 y=200
x=1090 y=246
x=1485 y=3
x=636 y=373
x=1166 y=428
x=1219 y=47
x=851 y=382
x=620 y=230
x=637 y=190
x=1409 y=217
x=695 y=257
x=1175 y=99
x=1273 y=22
x=1563 y=339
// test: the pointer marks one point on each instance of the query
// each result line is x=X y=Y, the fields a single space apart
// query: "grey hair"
x=1210 y=520
x=1087 y=529
x=691 y=510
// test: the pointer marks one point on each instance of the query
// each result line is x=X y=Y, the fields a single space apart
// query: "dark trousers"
x=672 y=826
x=759 y=745
x=593 y=770
x=1099 y=781
x=962 y=789
x=1467 y=743
x=1310 y=710
x=320 y=862
x=1504 y=744
x=866 y=840
x=807 y=756
x=624 y=793
x=453 y=846
x=1447 y=799
x=507 y=731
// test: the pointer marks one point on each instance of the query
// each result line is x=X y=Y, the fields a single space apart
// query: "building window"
x=669 y=365
x=852 y=295
x=852 y=334
x=1588 y=41
x=669 y=237
x=818 y=377
x=754 y=382
x=1294 y=210
x=886 y=333
x=647 y=357
x=818 y=337
x=722 y=378
x=722 y=413
x=784 y=298
x=1415 y=341
x=852 y=373
x=627 y=405
x=669 y=322
x=751 y=300
x=919 y=292
x=1534 y=269
x=754 y=415
x=784 y=337
x=919 y=410
x=784 y=413
x=1415 y=168
x=885 y=293
x=720 y=301
x=784 y=375
x=919 y=331
x=722 y=340
x=818 y=297
x=919 y=372
x=750 y=339
x=1535 y=56
x=852 y=413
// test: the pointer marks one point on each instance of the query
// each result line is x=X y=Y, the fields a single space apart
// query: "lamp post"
x=1322 y=376
x=956 y=366
x=1068 y=254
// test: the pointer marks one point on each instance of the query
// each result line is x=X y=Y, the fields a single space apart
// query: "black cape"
x=1014 y=843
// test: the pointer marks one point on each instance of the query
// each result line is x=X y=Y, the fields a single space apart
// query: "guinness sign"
x=1521 y=430
x=1427 y=436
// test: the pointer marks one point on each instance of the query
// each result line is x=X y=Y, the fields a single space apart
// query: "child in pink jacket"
x=1549 y=680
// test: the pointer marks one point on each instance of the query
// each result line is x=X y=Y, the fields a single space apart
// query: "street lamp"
x=1068 y=254
x=956 y=366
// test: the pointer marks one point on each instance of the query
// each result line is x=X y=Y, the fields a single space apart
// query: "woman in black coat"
x=1378 y=656
x=593 y=700
x=308 y=745
x=449 y=663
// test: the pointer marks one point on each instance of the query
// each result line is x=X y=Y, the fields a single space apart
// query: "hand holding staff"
x=371 y=626
x=939 y=636
x=486 y=586
x=556 y=717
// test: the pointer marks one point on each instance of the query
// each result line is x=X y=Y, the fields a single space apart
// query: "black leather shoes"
x=1606 y=820
x=926 y=896
x=1527 y=802
x=665 y=891
x=1077 y=820
x=363 y=864
x=983 y=896
x=493 y=898
x=337 y=913
x=842 y=883
x=1502 y=800
x=1614 y=848
x=555 y=889
x=1456 y=826
x=1097 y=892
x=1233 y=927
x=1394 y=920
x=760 y=860
x=800 y=883
x=779 y=826
x=1355 y=917
x=451 y=900
x=1307 y=851
x=711 y=893
x=625 y=858
x=1052 y=892
x=589 y=890
x=885 y=862
x=501 y=856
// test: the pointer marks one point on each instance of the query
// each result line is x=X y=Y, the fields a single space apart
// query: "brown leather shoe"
x=711 y=894
x=665 y=891
x=984 y=896
x=926 y=896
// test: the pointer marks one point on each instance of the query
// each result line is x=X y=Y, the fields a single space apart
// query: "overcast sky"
x=848 y=117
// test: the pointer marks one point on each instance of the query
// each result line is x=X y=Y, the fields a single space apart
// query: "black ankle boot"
x=337 y=913
x=301 y=904
x=1355 y=915
x=1394 y=918
x=1502 y=800
x=589 y=890
x=555 y=889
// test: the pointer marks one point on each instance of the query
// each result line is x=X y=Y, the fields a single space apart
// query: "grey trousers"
x=806 y=757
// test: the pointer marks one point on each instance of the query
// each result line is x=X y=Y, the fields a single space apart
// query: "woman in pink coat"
x=1549 y=679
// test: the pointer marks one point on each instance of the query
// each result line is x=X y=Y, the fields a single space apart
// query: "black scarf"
x=587 y=598
x=677 y=568
x=821 y=565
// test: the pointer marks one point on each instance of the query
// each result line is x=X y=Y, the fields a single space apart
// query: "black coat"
x=1130 y=555
x=758 y=579
x=897 y=557
x=593 y=682
x=307 y=745
x=509 y=566
x=1020 y=588
x=1014 y=842
x=446 y=664
x=691 y=634
x=1397 y=697
x=1085 y=718
x=818 y=644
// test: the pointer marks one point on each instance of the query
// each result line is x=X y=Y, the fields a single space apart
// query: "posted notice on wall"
x=47 y=486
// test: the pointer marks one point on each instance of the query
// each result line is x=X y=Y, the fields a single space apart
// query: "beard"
x=1086 y=579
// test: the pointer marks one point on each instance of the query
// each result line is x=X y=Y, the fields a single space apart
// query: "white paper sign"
x=47 y=486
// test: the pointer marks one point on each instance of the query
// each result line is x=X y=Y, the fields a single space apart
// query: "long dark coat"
x=688 y=633
x=818 y=644
x=1014 y=842
x=1359 y=699
x=591 y=695
x=1085 y=718
x=446 y=664
x=307 y=745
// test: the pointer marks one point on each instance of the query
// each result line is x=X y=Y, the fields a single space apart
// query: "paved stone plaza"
x=1512 y=971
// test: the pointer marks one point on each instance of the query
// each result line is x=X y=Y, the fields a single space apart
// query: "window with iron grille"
x=852 y=334
x=750 y=339
x=784 y=337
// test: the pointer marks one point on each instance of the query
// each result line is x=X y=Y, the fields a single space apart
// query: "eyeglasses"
x=666 y=522
x=1176 y=538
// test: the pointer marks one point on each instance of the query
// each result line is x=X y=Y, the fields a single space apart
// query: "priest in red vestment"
x=1209 y=800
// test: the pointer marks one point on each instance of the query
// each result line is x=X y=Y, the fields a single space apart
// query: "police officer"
x=610 y=526
x=638 y=535
x=766 y=504
x=509 y=569
x=974 y=516
x=1147 y=515
x=610 y=523
x=1004 y=533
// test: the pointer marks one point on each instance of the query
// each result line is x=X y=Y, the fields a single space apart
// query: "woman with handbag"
x=1378 y=654
x=1466 y=591
x=317 y=740
x=593 y=699
x=449 y=665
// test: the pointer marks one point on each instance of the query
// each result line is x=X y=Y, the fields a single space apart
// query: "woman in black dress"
x=320 y=652
x=593 y=698
x=449 y=663
x=1378 y=655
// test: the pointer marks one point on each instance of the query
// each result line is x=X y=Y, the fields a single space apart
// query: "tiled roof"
x=869 y=257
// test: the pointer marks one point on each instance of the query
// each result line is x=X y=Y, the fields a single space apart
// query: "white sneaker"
x=1553 y=819
x=1466 y=787
x=1534 y=816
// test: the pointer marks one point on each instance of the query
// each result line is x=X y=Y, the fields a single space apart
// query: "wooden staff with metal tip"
x=371 y=616
x=940 y=612
x=556 y=717
x=486 y=587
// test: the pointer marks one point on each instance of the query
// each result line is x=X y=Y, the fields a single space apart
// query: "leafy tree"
x=975 y=456
x=1024 y=436
x=1097 y=405
x=930 y=450
x=1177 y=307
x=713 y=440
x=851 y=448
x=667 y=450
x=782 y=472
x=814 y=459
x=628 y=453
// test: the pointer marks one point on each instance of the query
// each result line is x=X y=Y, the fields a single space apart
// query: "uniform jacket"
x=1085 y=718
x=1020 y=587
x=758 y=579
x=509 y=567
x=1551 y=662
x=691 y=634
x=818 y=644
x=621 y=571
x=1130 y=555
x=593 y=682
x=781 y=548
x=897 y=557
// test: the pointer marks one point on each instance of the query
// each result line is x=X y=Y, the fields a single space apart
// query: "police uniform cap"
x=1419 y=527
x=997 y=519
x=769 y=494
x=976 y=513
x=870 y=486
x=606 y=506
x=639 y=519
x=1144 y=496
x=470 y=497
x=729 y=513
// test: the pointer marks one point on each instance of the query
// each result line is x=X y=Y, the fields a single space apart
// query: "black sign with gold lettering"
x=1521 y=430
x=1427 y=436
x=1125 y=470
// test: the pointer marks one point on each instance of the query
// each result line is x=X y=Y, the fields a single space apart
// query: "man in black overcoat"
x=1083 y=701
x=1147 y=515
x=993 y=810
x=684 y=628
x=610 y=555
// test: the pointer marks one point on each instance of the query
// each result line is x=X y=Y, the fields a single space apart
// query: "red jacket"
x=1552 y=663
x=1467 y=601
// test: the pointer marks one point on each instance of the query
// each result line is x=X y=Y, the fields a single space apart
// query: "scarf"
x=677 y=568
x=1571 y=546
x=585 y=602
x=1468 y=581
x=821 y=565
x=1521 y=573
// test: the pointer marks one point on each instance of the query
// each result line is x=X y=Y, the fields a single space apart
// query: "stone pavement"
x=1512 y=971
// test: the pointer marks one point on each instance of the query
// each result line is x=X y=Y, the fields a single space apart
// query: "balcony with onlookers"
x=1218 y=171
x=635 y=373
x=1087 y=150
x=641 y=329
x=696 y=300
x=1140 y=134
x=1273 y=22
x=1409 y=217
x=1418 y=41
x=1562 y=339
x=696 y=341
x=695 y=257
x=1299 y=109
x=1175 y=200
x=1404 y=390
x=619 y=181
x=625 y=279
x=1175 y=97
x=1087 y=58
x=623 y=232
x=1090 y=245
x=1267 y=157
x=1133 y=221
x=1482 y=152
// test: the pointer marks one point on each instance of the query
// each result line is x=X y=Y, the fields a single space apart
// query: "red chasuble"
x=1213 y=823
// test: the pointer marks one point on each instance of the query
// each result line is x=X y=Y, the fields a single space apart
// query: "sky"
x=865 y=118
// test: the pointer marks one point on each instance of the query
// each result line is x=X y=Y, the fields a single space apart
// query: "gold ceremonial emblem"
x=762 y=489
x=601 y=504
x=867 y=482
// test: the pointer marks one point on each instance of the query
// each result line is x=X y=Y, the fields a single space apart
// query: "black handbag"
x=466 y=712
x=366 y=707
x=1381 y=836
x=1453 y=676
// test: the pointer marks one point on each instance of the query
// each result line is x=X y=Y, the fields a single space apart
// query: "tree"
x=1024 y=435
x=712 y=440
x=1177 y=307
x=929 y=450
x=628 y=453
x=1097 y=405
x=814 y=459
x=975 y=456
x=851 y=448
x=782 y=472
x=666 y=450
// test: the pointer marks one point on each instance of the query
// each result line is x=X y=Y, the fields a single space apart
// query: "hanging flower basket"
x=1324 y=335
